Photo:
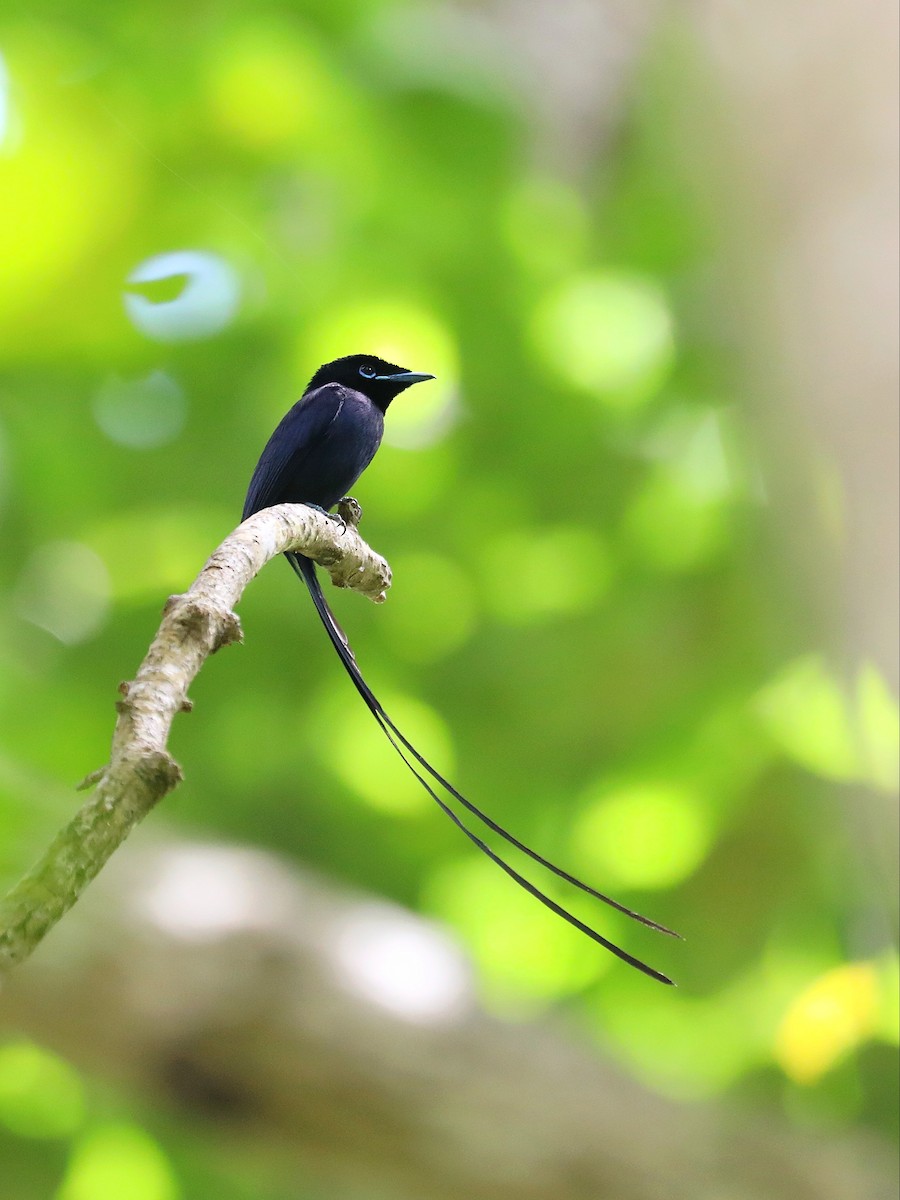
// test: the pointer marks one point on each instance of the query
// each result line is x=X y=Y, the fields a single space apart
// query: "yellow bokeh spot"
x=879 y=722
x=66 y=191
x=351 y=743
x=828 y=1019
x=524 y=953
x=889 y=1021
x=610 y=333
x=116 y=1162
x=807 y=714
x=535 y=574
x=642 y=835
x=40 y=1095
x=404 y=333
x=269 y=86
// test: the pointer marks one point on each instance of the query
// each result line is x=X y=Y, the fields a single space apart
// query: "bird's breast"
x=350 y=446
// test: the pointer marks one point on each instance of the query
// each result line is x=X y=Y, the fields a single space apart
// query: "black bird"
x=314 y=457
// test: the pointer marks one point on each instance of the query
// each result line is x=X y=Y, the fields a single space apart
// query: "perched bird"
x=314 y=457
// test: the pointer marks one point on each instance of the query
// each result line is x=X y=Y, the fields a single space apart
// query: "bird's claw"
x=349 y=511
x=330 y=516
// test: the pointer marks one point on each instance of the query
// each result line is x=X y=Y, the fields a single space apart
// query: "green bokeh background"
x=591 y=626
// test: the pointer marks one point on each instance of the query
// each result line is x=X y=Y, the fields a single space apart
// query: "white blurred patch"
x=141 y=413
x=202 y=893
x=5 y=100
x=401 y=963
x=64 y=588
x=10 y=120
x=207 y=303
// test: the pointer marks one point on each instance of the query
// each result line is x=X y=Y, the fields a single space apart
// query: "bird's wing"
x=299 y=435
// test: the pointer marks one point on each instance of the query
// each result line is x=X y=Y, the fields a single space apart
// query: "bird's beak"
x=406 y=377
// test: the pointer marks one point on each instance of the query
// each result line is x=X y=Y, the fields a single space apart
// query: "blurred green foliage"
x=589 y=629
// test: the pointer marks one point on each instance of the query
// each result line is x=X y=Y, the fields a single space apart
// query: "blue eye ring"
x=367 y=371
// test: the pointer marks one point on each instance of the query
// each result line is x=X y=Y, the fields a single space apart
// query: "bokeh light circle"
x=141 y=413
x=609 y=333
x=642 y=834
x=405 y=333
x=206 y=304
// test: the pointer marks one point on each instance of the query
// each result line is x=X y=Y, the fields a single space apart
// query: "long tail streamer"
x=306 y=569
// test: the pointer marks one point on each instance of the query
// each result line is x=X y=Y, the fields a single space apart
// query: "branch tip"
x=229 y=631
x=91 y=779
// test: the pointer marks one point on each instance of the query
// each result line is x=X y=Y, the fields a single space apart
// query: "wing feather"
x=298 y=436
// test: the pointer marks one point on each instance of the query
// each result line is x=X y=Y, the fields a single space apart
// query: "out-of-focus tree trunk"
x=811 y=93
x=264 y=1007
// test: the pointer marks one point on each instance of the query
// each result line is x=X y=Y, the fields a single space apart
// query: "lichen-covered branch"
x=140 y=770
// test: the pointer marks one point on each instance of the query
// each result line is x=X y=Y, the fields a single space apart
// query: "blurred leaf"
x=525 y=956
x=642 y=834
x=806 y=712
x=40 y=1095
x=610 y=333
x=113 y=1162
x=880 y=728
x=829 y=1018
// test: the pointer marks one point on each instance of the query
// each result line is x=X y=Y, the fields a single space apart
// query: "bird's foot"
x=337 y=517
x=349 y=511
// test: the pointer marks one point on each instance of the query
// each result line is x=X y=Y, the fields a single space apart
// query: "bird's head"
x=379 y=380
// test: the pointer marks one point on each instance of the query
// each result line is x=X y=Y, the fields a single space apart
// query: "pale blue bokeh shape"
x=141 y=413
x=207 y=304
x=64 y=588
x=10 y=120
x=5 y=101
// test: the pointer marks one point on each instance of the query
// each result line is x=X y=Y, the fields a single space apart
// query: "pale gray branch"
x=140 y=770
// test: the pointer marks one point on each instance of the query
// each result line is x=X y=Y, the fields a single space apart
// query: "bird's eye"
x=367 y=371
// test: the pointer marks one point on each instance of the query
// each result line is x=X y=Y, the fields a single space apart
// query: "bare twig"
x=140 y=770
